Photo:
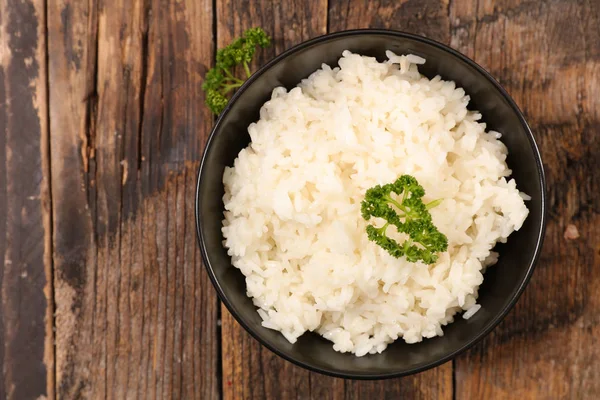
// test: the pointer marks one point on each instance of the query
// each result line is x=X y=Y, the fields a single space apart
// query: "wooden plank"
x=423 y=17
x=136 y=315
x=249 y=370
x=26 y=350
x=71 y=45
x=428 y=18
x=547 y=55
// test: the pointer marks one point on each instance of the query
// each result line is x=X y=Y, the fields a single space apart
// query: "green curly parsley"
x=414 y=219
x=219 y=80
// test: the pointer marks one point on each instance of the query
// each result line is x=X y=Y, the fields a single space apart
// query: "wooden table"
x=102 y=125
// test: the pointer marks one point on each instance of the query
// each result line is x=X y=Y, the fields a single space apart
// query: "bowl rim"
x=516 y=293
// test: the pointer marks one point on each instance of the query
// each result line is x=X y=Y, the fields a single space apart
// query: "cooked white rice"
x=293 y=224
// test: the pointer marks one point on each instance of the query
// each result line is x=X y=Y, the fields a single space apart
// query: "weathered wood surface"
x=547 y=55
x=136 y=316
x=26 y=306
x=249 y=370
x=101 y=131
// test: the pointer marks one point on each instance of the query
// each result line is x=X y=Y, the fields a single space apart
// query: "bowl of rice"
x=286 y=170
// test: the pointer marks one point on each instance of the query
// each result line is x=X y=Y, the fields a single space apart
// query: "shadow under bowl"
x=503 y=283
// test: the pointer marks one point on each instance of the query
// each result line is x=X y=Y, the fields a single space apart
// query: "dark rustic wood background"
x=102 y=125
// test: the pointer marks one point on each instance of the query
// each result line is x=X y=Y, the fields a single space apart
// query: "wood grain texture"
x=99 y=147
x=547 y=55
x=423 y=17
x=249 y=370
x=428 y=18
x=26 y=350
x=135 y=312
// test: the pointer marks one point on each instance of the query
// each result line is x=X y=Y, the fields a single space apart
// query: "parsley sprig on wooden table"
x=414 y=219
x=220 y=80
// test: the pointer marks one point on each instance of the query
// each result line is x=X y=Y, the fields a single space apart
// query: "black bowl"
x=503 y=283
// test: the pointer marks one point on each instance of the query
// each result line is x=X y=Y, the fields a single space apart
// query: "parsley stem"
x=227 y=88
x=394 y=202
x=230 y=76
x=433 y=203
x=237 y=81
x=248 y=73
x=383 y=228
x=399 y=206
